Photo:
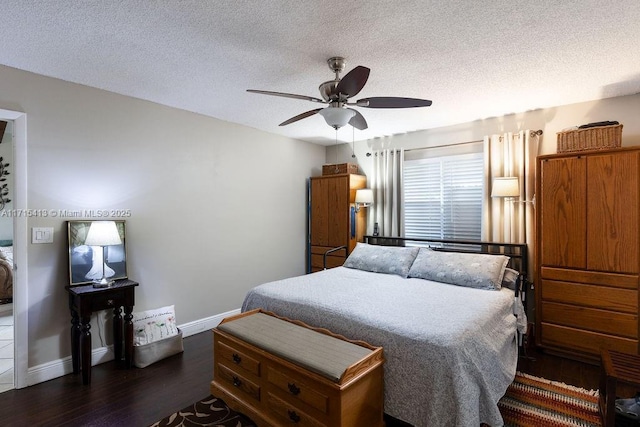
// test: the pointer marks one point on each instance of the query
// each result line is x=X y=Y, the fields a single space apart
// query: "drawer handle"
x=293 y=416
x=236 y=381
x=237 y=359
x=293 y=388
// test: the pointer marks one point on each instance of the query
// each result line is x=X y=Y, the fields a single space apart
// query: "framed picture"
x=91 y=262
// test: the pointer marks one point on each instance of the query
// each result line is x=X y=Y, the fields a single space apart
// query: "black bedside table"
x=84 y=300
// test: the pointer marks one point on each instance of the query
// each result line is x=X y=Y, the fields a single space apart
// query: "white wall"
x=624 y=109
x=216 y=208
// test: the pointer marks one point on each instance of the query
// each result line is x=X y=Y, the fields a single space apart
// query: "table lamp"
x=102 y=233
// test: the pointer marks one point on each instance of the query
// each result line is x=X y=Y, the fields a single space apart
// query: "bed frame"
x=517 y=252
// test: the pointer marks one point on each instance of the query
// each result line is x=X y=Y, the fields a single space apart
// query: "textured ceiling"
x=473 y=59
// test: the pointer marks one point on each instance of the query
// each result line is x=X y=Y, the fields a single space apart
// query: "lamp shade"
x=103 y=233
x=336 y=117
x=364 y=196
x=507 y=186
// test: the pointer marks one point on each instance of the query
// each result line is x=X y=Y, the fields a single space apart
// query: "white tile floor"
x=6 y=351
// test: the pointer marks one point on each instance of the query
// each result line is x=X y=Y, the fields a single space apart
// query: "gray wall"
x=216 y=208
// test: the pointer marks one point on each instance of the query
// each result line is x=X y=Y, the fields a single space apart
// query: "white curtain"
x=386 y=182
x=510 y=154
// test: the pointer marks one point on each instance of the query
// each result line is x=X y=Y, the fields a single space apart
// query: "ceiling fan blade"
x=358 y=120
x=287 y=95
x=353 y=82
x=392 y=102
x=300 y=117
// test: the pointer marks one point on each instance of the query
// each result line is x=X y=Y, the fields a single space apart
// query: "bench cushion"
x=314 y=351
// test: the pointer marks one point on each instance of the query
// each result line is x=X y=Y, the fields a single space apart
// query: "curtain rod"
x=531 y=134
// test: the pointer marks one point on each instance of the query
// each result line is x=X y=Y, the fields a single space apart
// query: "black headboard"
x=517 y=252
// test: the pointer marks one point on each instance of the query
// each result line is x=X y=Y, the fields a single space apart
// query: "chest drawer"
x=289 y=414
x=238 y=357
x=297 y=389
x=239 y=382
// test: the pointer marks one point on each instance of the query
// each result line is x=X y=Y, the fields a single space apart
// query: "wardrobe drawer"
x=615 y=280
x=297 y=389
x=622 y=300
x=239 y=382
x=608 y=322
x=332 y=261
x=238 y=357
x=584 y=341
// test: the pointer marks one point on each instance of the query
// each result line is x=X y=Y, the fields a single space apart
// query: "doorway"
x=20 y=304
x=6 y=257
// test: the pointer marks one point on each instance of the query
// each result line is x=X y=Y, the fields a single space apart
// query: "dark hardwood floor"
x=116 y=397
x=140 y=397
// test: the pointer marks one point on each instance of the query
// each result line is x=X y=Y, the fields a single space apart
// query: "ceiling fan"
x=336 y=94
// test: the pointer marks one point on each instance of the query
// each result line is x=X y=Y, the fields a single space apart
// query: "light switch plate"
x=42 y=235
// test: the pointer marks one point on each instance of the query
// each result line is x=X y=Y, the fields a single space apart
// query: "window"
x=443 y=193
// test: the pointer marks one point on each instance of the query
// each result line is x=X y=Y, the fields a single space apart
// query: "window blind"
x=443 y=196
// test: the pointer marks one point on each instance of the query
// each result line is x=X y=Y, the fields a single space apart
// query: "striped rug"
x=532 y=402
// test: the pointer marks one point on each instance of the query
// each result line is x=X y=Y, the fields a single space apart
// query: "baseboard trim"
x=207 y=323
x=57 y=368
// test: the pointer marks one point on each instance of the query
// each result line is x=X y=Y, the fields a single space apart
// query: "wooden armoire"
x=587 y=252
x=332 y=223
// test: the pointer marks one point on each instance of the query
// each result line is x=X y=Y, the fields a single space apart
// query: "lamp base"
x=103 y=283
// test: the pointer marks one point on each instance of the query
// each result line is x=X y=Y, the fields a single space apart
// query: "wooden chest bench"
x=282 y=372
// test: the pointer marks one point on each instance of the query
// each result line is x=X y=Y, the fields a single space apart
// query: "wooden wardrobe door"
x=612 y=214
x=562 y=209
x=338 y=205
x=320 y=212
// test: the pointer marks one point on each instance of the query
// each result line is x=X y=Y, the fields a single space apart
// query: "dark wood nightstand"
x=84 y=300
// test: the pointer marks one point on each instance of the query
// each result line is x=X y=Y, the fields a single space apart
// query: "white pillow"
x=154 y=325
x=480 y=271
x=382 y=259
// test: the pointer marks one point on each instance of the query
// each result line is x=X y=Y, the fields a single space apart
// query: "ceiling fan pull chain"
x=353 y=142
x=336 y=150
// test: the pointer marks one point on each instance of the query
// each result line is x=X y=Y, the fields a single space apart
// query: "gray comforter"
x=450 y=351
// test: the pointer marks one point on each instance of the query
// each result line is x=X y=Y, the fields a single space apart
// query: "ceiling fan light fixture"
x=338 y=93
x=336 y=117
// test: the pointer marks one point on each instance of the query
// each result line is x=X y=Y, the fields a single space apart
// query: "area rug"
x=529 y=402
x=210 y=412
x=532 y=402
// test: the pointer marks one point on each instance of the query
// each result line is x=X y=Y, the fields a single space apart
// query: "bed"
x=6 y=274
x=451 y=351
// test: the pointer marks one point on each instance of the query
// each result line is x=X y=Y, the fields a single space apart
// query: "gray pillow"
x=382 y=259
x=480 y=271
